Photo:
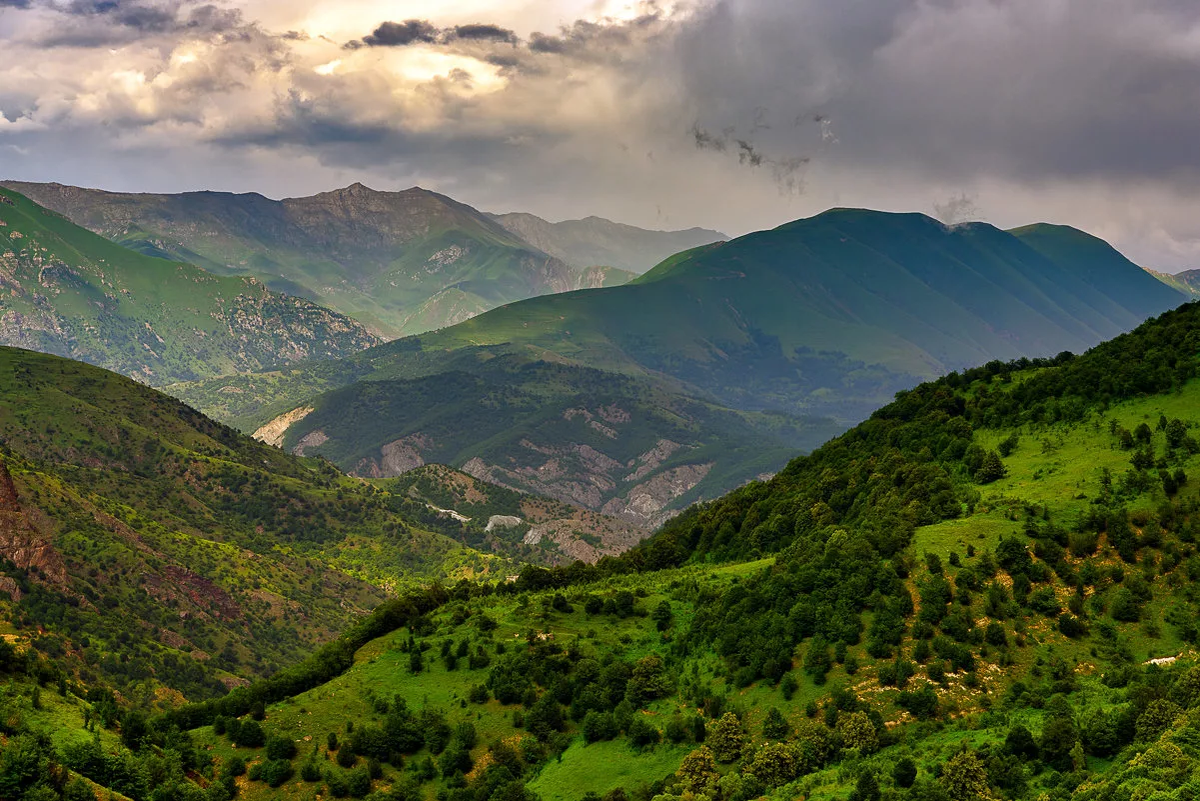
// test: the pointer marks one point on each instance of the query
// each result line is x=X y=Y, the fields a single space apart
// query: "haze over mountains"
x=594 y=240
x=400 y=262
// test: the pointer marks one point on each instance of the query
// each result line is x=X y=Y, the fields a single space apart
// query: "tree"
x=817 y=661
x=649 y=680
x=642 y=734
x=247 y=733
x=964 y=777
x=727 y=738
x=698 y=771
x=774 y=764
x=1013 y=556
x=598 y=726
x=991 y=470
x=866 y=788
x=1058 y=738
x=857 y=731
x=280 y=748
x=133 y=729
x=1020 y=743
x=904 y=772
x=663 y=616
x=1157 y=718
x=775 y=726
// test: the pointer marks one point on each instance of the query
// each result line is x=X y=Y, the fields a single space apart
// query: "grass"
x=601 y=767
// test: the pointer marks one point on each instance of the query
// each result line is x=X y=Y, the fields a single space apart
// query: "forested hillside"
x=984 y=591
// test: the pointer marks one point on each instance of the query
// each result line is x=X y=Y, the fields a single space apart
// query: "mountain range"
x=595 y=240
x=708 y=370
x=399 y=262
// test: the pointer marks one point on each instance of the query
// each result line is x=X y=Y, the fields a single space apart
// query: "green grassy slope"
x=401 y=262
x=71 y=292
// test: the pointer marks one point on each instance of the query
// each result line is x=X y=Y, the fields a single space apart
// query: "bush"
x=642 y=734
x=280 y=748
x=246 y=733
x=276 y=771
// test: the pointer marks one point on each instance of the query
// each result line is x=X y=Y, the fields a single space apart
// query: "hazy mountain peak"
x=593 y=240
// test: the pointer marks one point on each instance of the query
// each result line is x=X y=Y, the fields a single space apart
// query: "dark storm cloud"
x=15 y=3
x=106 y=23
x=483 y=32
x=1024 y=89
x=399 y=34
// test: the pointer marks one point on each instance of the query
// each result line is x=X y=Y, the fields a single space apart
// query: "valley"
x=983 y=589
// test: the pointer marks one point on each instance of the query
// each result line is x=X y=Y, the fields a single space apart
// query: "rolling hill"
x=67 y=291
x=728 y=355
x=400 y=262
x=984 y=591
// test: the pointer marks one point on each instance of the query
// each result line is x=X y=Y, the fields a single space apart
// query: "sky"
x=736 y=115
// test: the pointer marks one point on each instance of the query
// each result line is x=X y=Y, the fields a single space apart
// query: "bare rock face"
x=395 y=458
x=313 y=439
x=272 y=433
x=637 y=492
x=645 y=503
x=502 y=521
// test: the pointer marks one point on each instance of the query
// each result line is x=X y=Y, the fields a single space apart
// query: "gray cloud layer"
x=730 y=114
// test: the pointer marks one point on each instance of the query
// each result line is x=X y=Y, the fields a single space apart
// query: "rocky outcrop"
x=502 y=521
x=645 y=504
x=313 y=439
x=395 y=458
x=272 y=433
x=637 y=492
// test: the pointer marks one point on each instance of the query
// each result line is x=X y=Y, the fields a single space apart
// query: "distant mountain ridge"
x=1187 y=281
x=706 y=371
x=400 y=262
x=597 y=241
x=832 y=314
x=67 y=291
